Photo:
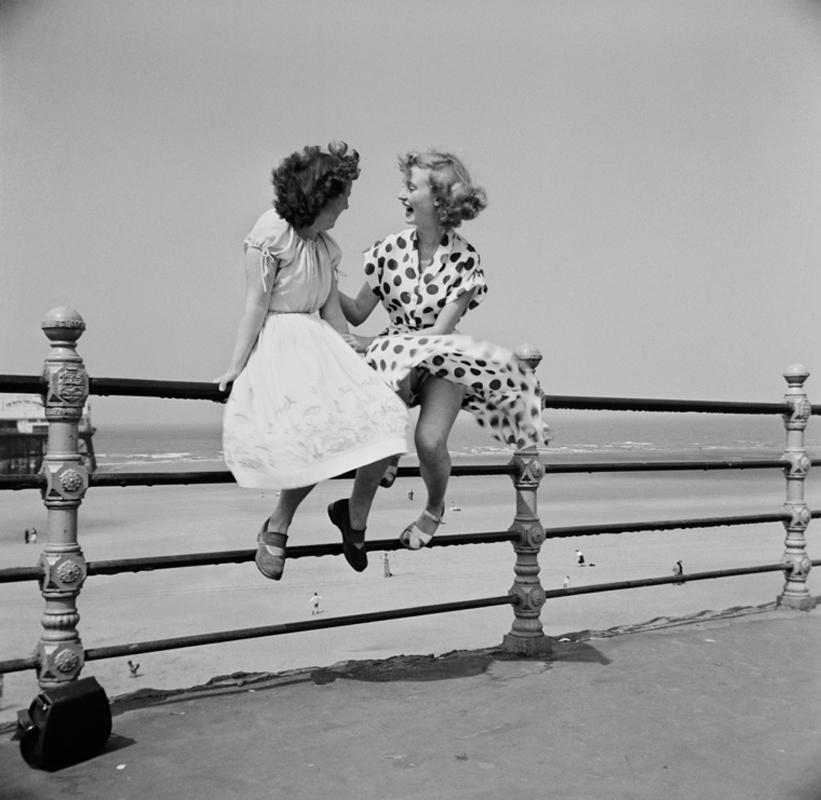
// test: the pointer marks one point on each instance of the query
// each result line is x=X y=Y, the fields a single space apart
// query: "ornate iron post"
x=60 y=651
x=796 y=562
x=527 y=636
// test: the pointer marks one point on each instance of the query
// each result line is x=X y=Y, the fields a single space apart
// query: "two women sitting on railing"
x=303 y=406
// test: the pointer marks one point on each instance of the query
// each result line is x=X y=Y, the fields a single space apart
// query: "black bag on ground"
x=65 y=725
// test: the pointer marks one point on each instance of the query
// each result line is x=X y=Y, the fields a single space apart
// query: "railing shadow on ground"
x=64 y=481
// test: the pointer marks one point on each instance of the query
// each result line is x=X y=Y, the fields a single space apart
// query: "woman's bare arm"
x=253 y=315
x=357 y=310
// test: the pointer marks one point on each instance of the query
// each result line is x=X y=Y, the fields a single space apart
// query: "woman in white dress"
x=304 y=407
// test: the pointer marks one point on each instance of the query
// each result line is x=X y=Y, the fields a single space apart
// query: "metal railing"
x=63 y=482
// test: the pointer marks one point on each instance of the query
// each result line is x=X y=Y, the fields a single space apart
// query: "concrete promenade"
x=726 y=707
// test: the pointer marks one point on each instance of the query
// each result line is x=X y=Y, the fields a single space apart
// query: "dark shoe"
x=270 y=557
x=353 y=541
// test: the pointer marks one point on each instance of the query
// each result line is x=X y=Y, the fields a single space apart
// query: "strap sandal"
x=270 y=557
x=414 y=538
x=390 y=474
x=353 y=540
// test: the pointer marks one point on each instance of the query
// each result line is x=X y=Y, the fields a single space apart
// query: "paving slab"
x=725 y=707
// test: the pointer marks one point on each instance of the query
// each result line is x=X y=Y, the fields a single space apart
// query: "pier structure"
x=24 y=435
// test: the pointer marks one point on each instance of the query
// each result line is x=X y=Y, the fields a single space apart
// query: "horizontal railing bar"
x=138 y=387
x=583 y=403
x=123 y=387
x=666 y=466
x=198 y=477
x=197 y=640
x=224 y=476
x=115 y=651
x=22 y=384
x=19 y=664
x=216 y=558
x=686 y=577
x=667 y=525
x=181 y=478
x=18 y=574
x=206 y=390
x=17 y=482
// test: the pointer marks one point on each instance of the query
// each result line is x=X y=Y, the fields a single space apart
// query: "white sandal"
x=414 y=538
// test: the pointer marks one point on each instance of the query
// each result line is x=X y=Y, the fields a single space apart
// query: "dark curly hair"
x=307 y=180
x=455 y=196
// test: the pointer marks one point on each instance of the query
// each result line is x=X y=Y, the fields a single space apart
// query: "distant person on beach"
x=579 y=558
x=678 y=570
x=566 y=582
x=386 y=566
x=26 y=536
x=33 y=535
x=427 y=277
x=315 y=598
x=304 y=407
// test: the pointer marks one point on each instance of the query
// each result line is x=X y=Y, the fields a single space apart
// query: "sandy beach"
x=129 y=522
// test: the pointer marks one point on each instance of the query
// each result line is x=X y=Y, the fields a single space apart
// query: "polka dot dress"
x=500 y=393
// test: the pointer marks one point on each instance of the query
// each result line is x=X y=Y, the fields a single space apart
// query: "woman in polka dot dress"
x=427 y=277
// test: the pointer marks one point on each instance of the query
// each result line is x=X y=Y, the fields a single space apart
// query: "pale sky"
x=653 y=169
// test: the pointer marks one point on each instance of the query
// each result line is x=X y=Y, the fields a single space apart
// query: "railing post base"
x=537 y=645
x=800 y=603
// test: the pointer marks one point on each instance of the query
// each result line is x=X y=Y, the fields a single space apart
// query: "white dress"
x=306 y=407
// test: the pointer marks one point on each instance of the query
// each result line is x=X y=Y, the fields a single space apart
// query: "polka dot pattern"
x=414 y=296
x=499 y=392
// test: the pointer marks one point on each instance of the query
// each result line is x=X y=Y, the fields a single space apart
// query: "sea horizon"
x=574 y=435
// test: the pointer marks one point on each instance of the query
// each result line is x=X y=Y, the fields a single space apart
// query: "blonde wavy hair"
x=455 y=196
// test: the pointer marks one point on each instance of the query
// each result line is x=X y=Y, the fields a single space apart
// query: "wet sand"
x=130 y=522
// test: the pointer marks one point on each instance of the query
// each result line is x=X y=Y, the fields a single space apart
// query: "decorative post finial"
x=64 y=569
x=529 y=354
x=797 y=565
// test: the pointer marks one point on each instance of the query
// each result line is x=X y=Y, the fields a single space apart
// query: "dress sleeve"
x=374 y=266
x=334 y=251
x=274 y=238
x=469 y=277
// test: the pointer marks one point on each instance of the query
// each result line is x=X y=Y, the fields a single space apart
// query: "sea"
x=574 y=436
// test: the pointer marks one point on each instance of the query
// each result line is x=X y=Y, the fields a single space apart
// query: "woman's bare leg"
x=289 y=500
x=440 y=401
x=364 y=490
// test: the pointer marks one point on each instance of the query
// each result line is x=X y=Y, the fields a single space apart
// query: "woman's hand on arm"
x=253 y=315
x=357 y=310
x=332 y=313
